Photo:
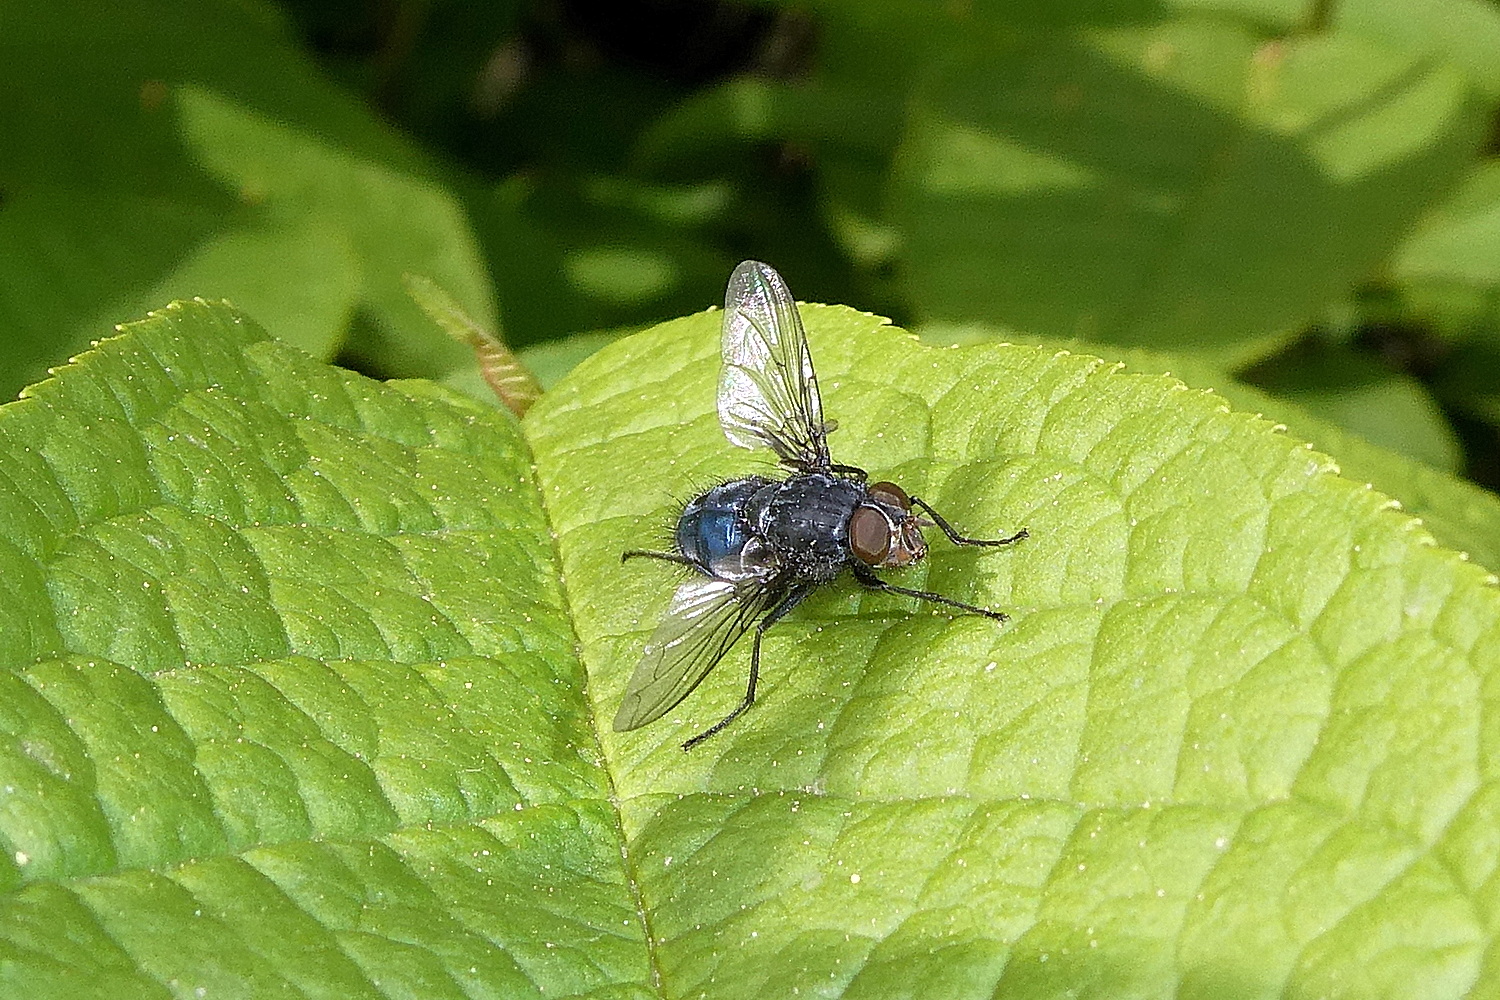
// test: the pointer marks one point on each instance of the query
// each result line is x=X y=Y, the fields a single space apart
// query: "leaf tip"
x=504 y=372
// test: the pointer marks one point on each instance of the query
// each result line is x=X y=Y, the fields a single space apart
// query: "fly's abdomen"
x=713 y=528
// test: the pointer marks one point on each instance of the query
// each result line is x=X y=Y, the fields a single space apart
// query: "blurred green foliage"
x=1302 y=197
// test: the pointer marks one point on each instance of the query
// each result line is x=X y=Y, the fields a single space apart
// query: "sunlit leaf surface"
x=306 y=674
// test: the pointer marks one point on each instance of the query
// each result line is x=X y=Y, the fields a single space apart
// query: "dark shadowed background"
x=1298 y=196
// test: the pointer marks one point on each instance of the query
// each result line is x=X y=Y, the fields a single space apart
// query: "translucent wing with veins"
x=706 y=616
x=768 y=393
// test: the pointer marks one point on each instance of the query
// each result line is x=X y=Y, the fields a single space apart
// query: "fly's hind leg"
x=788 y=602
x=869 y=579
x=671 y=557
x=955 y=537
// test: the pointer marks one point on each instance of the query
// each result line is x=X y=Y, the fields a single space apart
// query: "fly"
x=760 y=546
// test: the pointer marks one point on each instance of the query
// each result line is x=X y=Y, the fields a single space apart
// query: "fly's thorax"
x=882 y=529
x=805 y=522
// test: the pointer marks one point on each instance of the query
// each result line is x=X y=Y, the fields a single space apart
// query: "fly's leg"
x=958 y=539
x=869 y=579
x=671 y=557
x=787 y=603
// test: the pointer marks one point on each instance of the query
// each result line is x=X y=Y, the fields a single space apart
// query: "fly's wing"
x=706 y=616
x=768 y=394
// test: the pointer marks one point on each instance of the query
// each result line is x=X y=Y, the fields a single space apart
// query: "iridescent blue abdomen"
x=713 y=528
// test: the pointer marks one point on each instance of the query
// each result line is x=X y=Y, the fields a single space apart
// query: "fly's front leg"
x=869 y=579
x=958 y=539
x=787 y=603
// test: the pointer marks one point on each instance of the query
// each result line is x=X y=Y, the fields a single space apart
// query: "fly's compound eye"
x=869 y=535
x=891 y=493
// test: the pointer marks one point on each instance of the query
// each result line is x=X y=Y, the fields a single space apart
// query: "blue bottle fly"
x=758 y=546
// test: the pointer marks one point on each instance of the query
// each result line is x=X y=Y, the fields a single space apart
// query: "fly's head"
x=883 y=531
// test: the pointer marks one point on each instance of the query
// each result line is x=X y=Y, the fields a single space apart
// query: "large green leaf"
x=308 y=677
x=391 y=221
x=1352 y=389
x=1459 y=241
x=1459 y=514
x=167 y=148
x=1467 y=32
x=1447 y=274
x=1187 y=185
x=292 y=703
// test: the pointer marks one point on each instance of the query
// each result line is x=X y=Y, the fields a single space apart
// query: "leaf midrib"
x=628 y=867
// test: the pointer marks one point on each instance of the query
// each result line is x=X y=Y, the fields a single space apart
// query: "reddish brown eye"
x=869 y=535
x=891 y=493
